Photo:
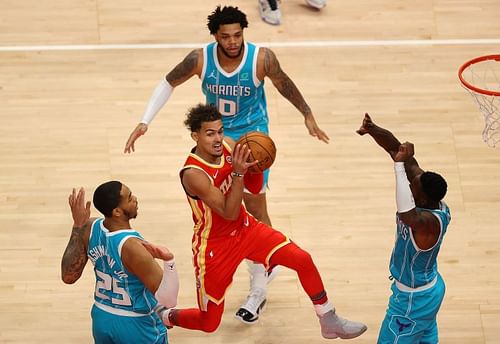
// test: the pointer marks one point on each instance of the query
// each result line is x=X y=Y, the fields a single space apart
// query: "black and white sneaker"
x=250 y=316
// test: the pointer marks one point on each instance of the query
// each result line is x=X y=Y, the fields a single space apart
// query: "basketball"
x=261 y=147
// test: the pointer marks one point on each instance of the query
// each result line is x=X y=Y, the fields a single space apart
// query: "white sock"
x=324 y=308
x=258 y=278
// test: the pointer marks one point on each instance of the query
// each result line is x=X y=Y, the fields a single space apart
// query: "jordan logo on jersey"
x=212 y=75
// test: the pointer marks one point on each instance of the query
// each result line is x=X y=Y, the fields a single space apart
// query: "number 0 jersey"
x=115 y=286
x=238 y=95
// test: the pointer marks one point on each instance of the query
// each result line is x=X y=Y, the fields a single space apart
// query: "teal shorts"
x=411 y=316
x=110 y=328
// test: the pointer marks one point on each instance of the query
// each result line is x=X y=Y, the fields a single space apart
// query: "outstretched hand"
x=241 y=153
x=79 y=209
x=138 y=132
x=158 y=252
x=314 y=129
x=406 y=150
x=366 y=125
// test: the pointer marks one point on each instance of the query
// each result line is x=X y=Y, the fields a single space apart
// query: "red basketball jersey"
x=207 y=223
x=210 y=226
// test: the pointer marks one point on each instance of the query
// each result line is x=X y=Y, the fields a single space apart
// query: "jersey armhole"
x=187 y=167
x=438 y=239
x=256 y=80
x=204 y=67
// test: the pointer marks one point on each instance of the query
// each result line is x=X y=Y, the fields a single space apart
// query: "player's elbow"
x=70 y=278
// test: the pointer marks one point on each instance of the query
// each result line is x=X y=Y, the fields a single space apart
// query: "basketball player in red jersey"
x=225 y=233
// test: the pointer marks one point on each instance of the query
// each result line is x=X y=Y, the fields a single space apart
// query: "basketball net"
x=481 y=78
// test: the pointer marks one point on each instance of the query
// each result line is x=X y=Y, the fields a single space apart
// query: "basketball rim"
x=473 y=87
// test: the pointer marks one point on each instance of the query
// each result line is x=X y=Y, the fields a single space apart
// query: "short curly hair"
x=107 y=197
x=199 y=114
x=226 y=15
x=433 y=185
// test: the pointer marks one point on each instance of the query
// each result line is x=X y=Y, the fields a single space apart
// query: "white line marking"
x=367 y=43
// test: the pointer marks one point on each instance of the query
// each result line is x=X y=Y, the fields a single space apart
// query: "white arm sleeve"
x=169 y=287
x=160 y=96
x=404 y=197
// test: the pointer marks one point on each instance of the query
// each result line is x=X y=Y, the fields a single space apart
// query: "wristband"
x=237 y=174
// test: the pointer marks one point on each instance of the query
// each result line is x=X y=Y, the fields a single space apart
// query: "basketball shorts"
x=411 y=316
x=108 y=328
x=218 y=261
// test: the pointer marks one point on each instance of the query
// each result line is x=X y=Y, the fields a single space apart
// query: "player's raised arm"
x=389 y=143
x=188 y=67
x=75 y=255
x=285 y=85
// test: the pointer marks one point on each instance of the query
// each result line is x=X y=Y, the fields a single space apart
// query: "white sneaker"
x=250 y=310
x=319 y=4
x=259 y=279
x=269 y=11
x=333 y=326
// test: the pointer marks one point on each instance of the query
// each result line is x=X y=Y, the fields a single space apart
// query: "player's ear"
x=117 y=212
x=195 y=136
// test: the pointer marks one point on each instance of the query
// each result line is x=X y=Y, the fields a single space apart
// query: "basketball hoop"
x=481 y=77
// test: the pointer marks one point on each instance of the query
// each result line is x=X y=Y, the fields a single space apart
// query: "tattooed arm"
x=191 y=65
x=75 y=255
x=287 y=88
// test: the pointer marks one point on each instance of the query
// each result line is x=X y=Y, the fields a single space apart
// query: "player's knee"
x=210 y=327
x=210 y=323
x=303 y=258
x=294 y=258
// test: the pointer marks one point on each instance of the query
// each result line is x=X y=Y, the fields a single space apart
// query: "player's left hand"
x=157 y=251
x=240 y=156
x=79 y=209
x=314 y=130
x=366 y=126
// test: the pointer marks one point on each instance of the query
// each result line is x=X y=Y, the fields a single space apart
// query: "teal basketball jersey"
x=115 y=286
x=411 y=265
x=238 y=95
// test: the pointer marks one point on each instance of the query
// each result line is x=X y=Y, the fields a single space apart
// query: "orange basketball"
x=262 y=148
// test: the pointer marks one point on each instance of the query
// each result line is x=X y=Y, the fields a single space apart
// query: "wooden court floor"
x=66 y=113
